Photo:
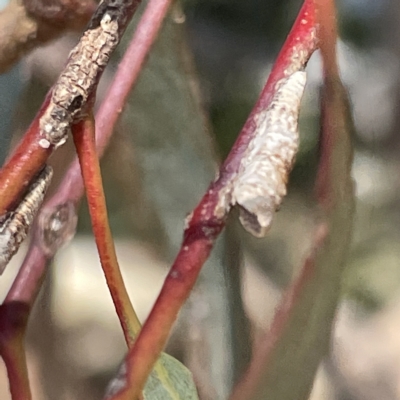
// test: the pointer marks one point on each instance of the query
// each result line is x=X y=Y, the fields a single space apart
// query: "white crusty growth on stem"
x=260 y=185
x=14 y=226
x=75 y=86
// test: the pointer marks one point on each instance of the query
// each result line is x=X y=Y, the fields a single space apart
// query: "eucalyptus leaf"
x=169 y=380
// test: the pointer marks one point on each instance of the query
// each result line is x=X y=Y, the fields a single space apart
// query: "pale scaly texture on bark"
x=76 y=86
x=260 y=185
x=15 y=227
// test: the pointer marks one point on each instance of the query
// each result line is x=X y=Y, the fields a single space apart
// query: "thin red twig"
x=65 y=104
x=325 y=265
x=13 y=316
x=205 y=223
x=17 y=370
x=84 y=139
x=26 y=161
x=71 y=188
x=28 y=281
x=297 y=49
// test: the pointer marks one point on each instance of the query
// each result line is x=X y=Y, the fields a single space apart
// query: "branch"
x=301 y=330
x=57 y=219
x=27 y=24
x=63 y=203
x=12 y=317
x=84 y=139
x=115 y=99
x=66 y=103
x=208 y=218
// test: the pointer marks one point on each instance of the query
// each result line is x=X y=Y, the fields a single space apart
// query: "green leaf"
x=170 y=380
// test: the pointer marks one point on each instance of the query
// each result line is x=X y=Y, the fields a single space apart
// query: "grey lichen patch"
x=15 y=226
x=260 y=185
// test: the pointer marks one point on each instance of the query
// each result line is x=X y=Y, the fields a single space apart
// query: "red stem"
x=83 y=134
x=71 y=189
x=204 y=226
x=334 y=189
x=15 y=361
x=24 y=164
x=13 y=317
x=28 y=281
x=29 y=157
x=297 y=49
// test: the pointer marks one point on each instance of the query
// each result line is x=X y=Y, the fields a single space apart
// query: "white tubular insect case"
x=260 y=185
